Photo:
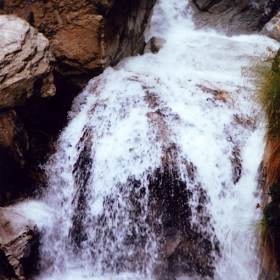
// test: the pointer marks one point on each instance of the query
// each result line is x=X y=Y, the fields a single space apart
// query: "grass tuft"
x=267 y=81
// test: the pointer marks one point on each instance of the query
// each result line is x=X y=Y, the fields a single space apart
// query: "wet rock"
x=272 y=28
x=234 y=17
x=13 y=136
x=236 y=162
x=18 y=245
x=188 y=248
x=154 y=45
x=87 y=36
x=25 y=63
x=14 y=145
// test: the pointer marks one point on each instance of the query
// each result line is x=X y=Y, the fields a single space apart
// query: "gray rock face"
x=234 y=17
x=128 y=20
x=25 y=61
x=272 y=28
x=18 y=237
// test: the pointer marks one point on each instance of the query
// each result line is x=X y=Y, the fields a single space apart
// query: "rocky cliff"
x=57 y=49
x=47 y=59
x=86 y=35
x=234 y=17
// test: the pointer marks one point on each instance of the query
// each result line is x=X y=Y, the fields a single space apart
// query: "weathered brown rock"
x=14 y=145
x=18 y=237
x=234 y=17
x=13 y=136
x=25 y=60
x=86 y=36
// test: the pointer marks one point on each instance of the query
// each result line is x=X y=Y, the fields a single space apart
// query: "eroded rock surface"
x=18 y=242
x=272 y=28
x=234 y=17
x=86 y=36
x=25 y=63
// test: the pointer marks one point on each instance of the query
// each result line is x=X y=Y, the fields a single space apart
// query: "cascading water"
x=155 y=177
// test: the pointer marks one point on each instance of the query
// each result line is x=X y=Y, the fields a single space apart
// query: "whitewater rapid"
x=191 y=105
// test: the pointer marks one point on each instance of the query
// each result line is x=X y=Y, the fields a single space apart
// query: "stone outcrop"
x=18 y=245
x=234 y=17
x=86 y=36
x=25 y=60
x=272 y=28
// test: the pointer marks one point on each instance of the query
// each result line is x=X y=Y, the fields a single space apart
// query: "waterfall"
x=155 y=176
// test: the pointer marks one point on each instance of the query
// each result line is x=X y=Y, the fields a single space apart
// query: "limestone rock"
x=272 y=28
x=87 y=36
x=234 y=17
x=25 y=60
x=18 y=237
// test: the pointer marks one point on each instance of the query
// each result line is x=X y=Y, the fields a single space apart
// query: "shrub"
x=267 y=80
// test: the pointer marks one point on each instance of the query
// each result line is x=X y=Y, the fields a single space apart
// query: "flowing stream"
x=156 y=174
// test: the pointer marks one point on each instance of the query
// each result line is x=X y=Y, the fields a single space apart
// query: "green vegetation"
x=271 y=212
x=267 y=81
x=41 y=28
x=268 y=85
x=271 y=225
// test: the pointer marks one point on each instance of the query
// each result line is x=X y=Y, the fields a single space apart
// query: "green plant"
x=267 y=81
x=266 y=77
x=271 y=226
x=42 y=28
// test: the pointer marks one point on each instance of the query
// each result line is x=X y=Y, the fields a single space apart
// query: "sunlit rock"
x=272 y=28
x=87 y=36
x=25 y=63
x=18 y=242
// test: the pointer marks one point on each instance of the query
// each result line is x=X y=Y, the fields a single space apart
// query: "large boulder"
x=18 y=245
x=272 y=28
x=86 y=36
x=234 y=17
x=25 y=63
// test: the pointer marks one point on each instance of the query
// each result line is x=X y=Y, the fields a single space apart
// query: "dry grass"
x=267 y=80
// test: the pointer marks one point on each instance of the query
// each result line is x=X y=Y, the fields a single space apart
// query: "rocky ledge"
x=86 y=36
x=25 y=63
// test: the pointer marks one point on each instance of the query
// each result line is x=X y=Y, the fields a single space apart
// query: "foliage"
x=271 y=225
x=41 y=29
x=267 y=80
x=268 y=88
x=271 y=212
